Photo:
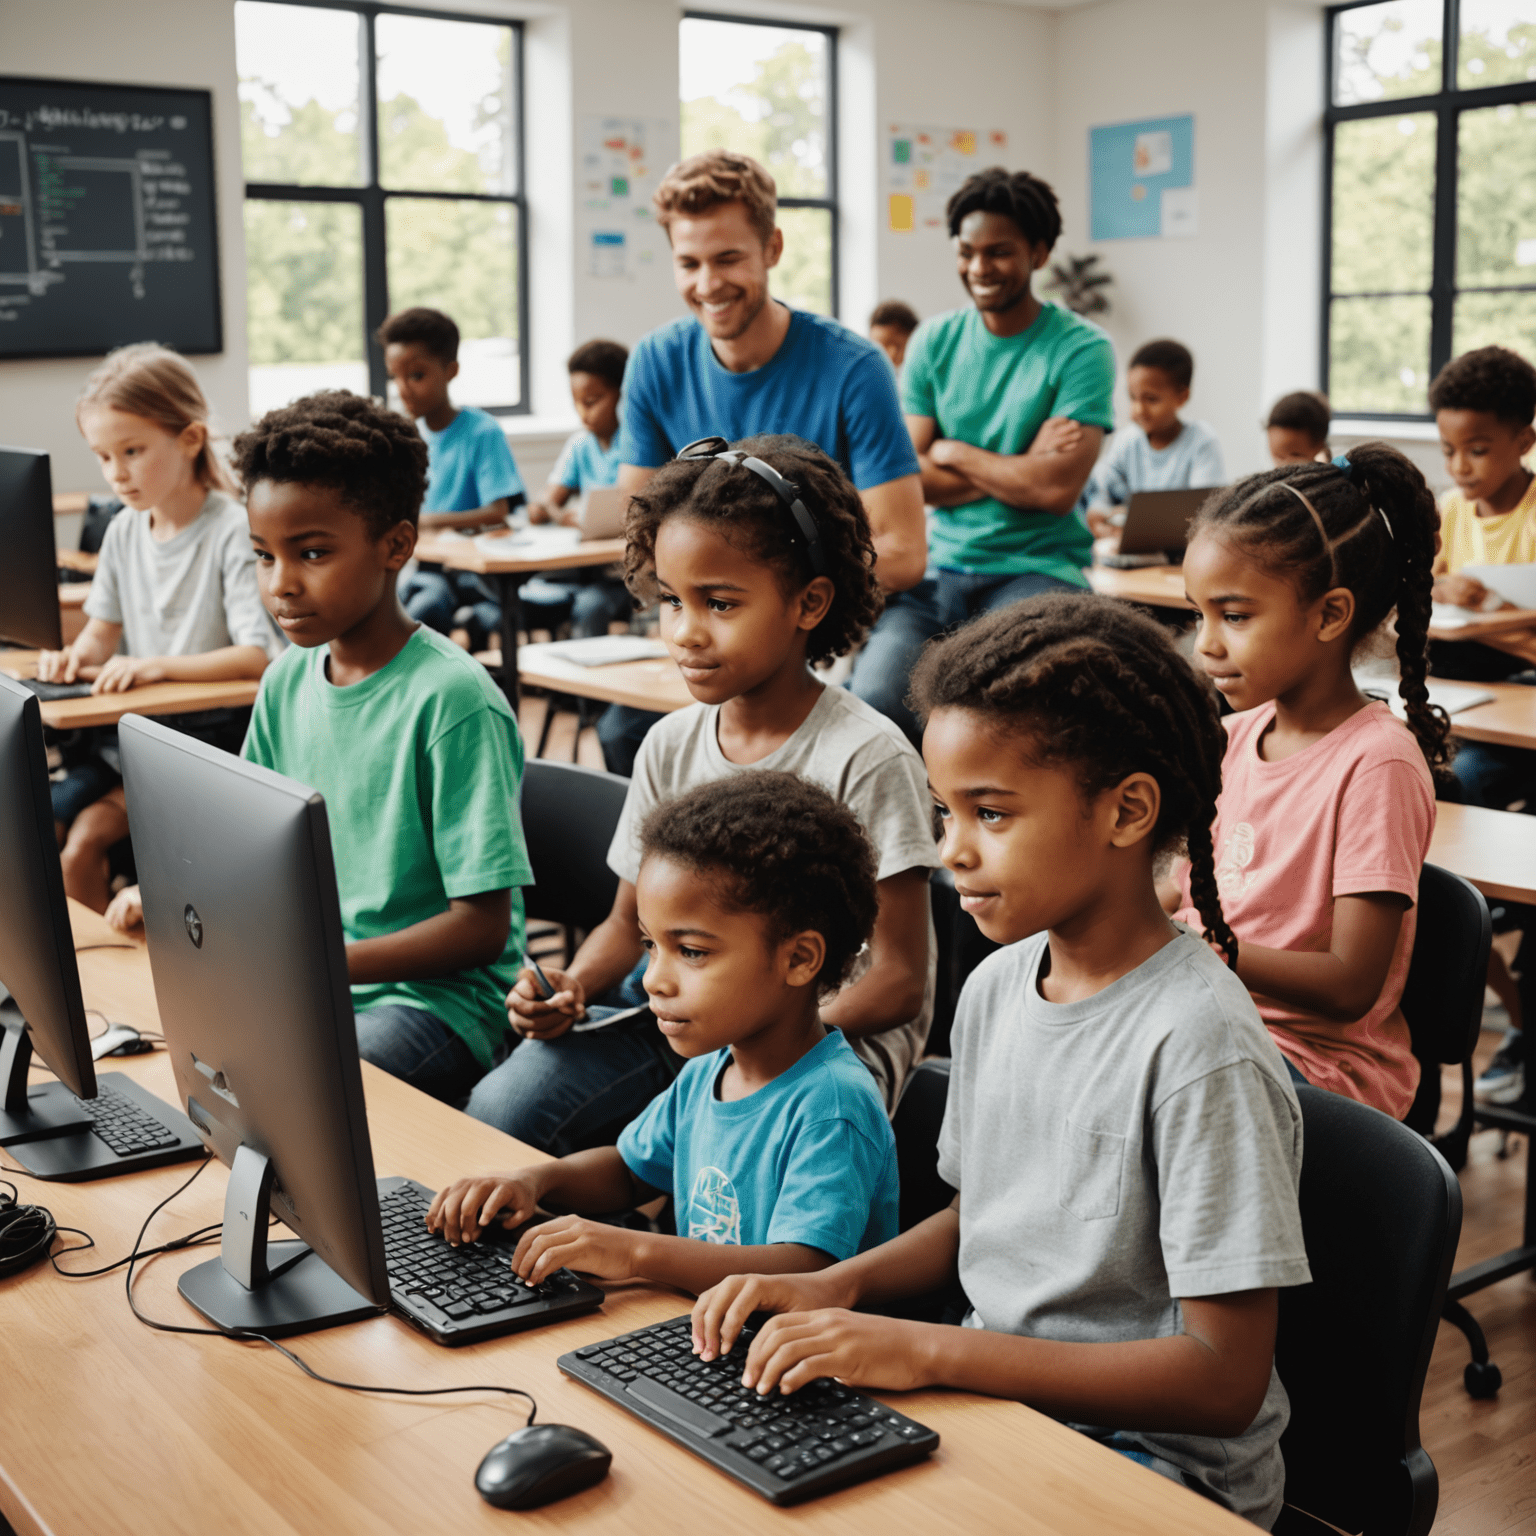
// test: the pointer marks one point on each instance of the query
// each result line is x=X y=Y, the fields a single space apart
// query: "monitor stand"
x=255 y=1286
x=32 y=1111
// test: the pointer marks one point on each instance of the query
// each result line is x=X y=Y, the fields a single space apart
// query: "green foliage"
x=304 y=294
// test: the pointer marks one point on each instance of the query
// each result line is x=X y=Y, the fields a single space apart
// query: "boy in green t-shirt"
x=412 y=745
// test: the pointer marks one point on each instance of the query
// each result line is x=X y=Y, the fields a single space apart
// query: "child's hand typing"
x=722 y=1311
x=467 y=1207
x=858 y=1348
x=537 y=1017
x=126 y=910
x=573 y=1242
x=120 y=673
x=58 y=666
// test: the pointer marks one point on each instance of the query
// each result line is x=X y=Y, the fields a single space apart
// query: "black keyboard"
x=49 y=691
x=126 y=1128
x=459 y=1295
x=786 y=1448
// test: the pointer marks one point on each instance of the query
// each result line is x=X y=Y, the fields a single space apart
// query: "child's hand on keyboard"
x=573 y=1242
x=858 y=1348
x=722 y=1311
x=466 y=1208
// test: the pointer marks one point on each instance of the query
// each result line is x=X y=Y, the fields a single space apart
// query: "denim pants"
x=433 y=597
x=417 y=1047
x=940 y=601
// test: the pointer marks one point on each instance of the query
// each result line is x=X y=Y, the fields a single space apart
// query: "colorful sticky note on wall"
x=903 y=213
x=618 y=186
x=901 y=151
x=963 y=143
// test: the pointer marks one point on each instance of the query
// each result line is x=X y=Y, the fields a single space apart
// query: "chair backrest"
x=919 y=1114
x=1381 y=1212
x=1443 y=995
x=962 y=947
x=569 y=817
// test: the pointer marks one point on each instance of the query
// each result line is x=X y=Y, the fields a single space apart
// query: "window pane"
x=1496 y=320
x=461 y=258
x=1387 y=50
x=447 y=115
x=1383 y=203
x=803 y=277
x=299 y=94
x=1498 y=43
x=1378 y=355
x=1496 y=196
x=304 y=300
x=761 y=91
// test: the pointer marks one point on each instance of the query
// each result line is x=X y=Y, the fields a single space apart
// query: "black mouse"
x=539 y=1464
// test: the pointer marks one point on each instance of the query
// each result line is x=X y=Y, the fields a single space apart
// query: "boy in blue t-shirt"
x=589 y=461
x=756 y=895
x=472 y=478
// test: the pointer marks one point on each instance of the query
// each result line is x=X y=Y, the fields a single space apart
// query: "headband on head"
x=1356 y=475
x=786 y=490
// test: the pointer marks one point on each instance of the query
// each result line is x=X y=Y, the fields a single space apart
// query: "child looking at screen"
x=891 y=325
x=1297 y=429
x=745 y=615
x=588 y=461
x=1157 y=451
x=1121 y=1129
x=754 y=898
x=174 y=597
x=472 y=478
x=1327 y=801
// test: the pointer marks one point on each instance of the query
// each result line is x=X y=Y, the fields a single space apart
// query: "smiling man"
x=1007 y=401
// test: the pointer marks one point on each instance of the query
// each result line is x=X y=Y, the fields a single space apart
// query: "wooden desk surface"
x=1495 y=850
x=1161 y=586
x=152 y=699
x=655 y=684
x=72 y=594
x=1509 y=721
x=77 y=560
x=1497 y=623
x=467 y=555
x=70 y=503
x=106 y=1426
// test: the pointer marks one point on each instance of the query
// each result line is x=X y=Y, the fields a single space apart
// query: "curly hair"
x=1303 y=411
x=892 y=312
x=1091 y=684
x=711 y=180
x=778 y=845
x=1491 y=379
x=604 y=360
x=1373 y=532
x=1170 y=357
x=1028 y=201
x=748 y=515
x=372 y=457
x=431 y=328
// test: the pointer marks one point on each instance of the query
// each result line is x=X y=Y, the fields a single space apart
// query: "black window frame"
x=1447 y=104
x=372 y=196
x=830 y=201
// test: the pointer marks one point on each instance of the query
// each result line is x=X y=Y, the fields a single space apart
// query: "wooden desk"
x=1160 y=586
x=1495 y=850
x=152 y=699
x=506 y=574
x=654 y=684
x=77 y=560
x=106 y=1426
x=1497 y=623
x=1510 y=721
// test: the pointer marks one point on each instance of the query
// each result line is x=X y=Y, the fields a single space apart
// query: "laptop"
x=602 y=517
x=1157 y=522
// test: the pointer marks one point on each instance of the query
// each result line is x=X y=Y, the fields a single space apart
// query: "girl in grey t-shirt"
x=1122 y=1131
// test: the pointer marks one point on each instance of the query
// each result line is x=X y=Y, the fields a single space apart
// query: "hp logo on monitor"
x=194 y=925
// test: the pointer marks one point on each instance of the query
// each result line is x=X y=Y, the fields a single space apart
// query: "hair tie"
x=1357 y=479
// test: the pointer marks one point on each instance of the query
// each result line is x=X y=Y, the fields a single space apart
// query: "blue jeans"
x=1297 y=1076
x=1493 y=775
x=416 y=1046
x=433 y=597
x=621 y=730
x=941 y=601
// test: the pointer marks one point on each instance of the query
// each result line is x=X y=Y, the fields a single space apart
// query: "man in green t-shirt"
x=1007 y=401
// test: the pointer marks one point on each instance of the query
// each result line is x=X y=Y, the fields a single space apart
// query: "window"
x=383 y=165
x=769 y=90
x=1430 y=210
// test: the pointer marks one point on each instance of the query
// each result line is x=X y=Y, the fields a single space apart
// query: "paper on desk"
x=1446 y=616
x=1451 y=697
x=1514 y=583
x=606 y=650
x=529 y=543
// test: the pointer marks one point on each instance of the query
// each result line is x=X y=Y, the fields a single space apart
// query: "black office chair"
x=1443 y=998
x=1381 y=1213
x=919 y=1114
x=569 y=817
x=962 y=947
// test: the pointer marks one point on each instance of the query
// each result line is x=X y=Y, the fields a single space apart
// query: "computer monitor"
x=250 y=965
x=29 y=581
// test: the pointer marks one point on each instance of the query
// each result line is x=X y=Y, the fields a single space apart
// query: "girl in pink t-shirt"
x=1327 y=801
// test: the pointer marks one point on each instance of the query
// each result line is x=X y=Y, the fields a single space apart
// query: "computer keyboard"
x=788 y=1449
x=459 y=1295
x=49 y=691
x=126 y=1129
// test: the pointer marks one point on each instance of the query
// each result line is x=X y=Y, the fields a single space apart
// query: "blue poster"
x=1141 y=179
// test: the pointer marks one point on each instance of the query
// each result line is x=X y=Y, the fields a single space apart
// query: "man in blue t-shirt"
x=741 y=363
x=1007 y=401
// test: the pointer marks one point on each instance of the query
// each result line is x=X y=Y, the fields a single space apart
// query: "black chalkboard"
x=108 y=227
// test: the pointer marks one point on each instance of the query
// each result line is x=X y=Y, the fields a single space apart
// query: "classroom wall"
x=150 y=42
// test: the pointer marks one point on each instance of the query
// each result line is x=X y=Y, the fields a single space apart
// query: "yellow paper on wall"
x=903 y=213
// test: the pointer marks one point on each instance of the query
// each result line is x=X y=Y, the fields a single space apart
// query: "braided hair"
x=1092 y=684
x=776 y=844
x=1366 y=522
x=747 y=514
x=372 y=457
x=1027 y=200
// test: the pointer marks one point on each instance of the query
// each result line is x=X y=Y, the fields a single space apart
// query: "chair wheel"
x=1483 y=1380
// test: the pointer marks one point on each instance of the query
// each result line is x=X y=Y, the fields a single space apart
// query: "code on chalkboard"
x=108 y=225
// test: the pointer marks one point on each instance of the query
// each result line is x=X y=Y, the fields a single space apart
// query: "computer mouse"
x=539 y=1464
x=119 y=1040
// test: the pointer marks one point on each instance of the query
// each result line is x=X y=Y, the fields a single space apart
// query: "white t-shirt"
x=1115 y=1154
x=853 y=752
x=193 y=593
